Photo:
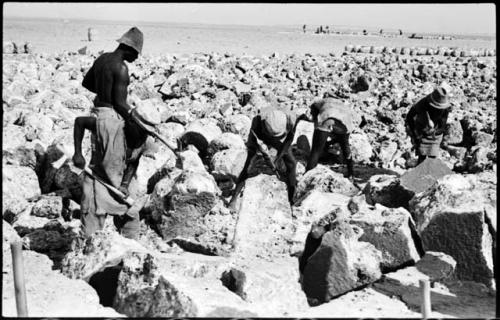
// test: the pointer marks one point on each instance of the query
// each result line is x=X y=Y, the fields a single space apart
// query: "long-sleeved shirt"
x=418 y=117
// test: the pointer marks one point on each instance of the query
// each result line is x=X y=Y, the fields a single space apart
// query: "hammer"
x=63 y=160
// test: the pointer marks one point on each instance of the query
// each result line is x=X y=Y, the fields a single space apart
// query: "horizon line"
x=246 y=25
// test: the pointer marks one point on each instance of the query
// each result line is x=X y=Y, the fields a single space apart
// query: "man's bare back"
x=108 y=78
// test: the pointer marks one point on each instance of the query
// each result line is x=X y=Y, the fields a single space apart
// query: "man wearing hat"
x=426 y=122
x=274 y=128
x=333 y=120
x=119 y=132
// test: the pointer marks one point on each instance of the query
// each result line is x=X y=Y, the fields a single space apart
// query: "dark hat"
x=439 y=97
x=133 y=38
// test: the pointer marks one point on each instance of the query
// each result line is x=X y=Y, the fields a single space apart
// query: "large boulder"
x=200 y=134
x=310 y=209
x=321 y=178
x=184 y=209
x=387 y=190
x=187 y=81
x=361 y=148
x=19 y=184
x=340 y=264
x=451 y=218
x=146 y=288
x=60 y=296
x=264 y=226
x=437 y=266
x=228 y=164
x=424 y=175
x=48 y=207
x=171 y=131
x=457 y=299
x=227 y=140
x=104 y=249
x=239 y=124
x=391 y=232
x=264 y=284
x=357 y=304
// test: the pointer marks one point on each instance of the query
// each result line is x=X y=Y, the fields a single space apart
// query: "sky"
x=459 y=18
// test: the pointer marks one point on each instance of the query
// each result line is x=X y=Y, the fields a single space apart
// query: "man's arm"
x=346 y=152
x=319 y=140
x=81 y=123
x=89 y=80
x=251 y=149
x=119 y=93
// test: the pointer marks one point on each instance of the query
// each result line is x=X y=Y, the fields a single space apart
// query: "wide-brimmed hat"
x=439 y=97
x=133 y=38
x=274 y=121
x=148 y=114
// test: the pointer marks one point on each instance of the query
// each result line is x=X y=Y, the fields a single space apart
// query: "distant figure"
x=426 y=122
x=365 y=33
x=381 y=31
x=90 y=34
x=304 y=28
x=320 y=29
x=400 y=32
x=327 y=28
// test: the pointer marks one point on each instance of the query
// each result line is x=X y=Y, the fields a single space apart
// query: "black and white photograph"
x=249 y=160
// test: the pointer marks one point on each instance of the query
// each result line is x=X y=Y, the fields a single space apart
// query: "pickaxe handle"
x=111 y=188
x=156 y=135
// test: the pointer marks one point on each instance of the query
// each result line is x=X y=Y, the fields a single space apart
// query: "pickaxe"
x=59 y=163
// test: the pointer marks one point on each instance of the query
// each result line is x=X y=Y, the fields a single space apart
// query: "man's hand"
x=79 y=161
x=124 y=189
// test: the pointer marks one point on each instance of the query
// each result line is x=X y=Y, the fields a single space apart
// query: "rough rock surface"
x=18 y=185
x=390 y=231
x=450 y=218
x=340 y=264
x=146 y=289
x=388 y=191
x=60 y=296
x=313 y=207
x=451 y=299
x=322 y=178
x=358 y=304
x=437 y=265
x=265 y=284
x=424 y=175
x=104 y=249
x=264 y=226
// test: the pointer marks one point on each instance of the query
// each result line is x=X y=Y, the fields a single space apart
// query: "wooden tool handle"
x=127 y=200
x=18 y=268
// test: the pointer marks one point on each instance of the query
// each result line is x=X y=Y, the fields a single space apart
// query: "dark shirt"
x=417 y=118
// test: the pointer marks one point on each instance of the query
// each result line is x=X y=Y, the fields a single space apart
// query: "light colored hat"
x=439 y=97
x=149 y=115
x=133 y=38
x=274 y=121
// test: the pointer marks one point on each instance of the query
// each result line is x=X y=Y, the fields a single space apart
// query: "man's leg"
x=291 y=169
x=421 y=159
x=92 y=223
x=319 y=140
x=346 y=152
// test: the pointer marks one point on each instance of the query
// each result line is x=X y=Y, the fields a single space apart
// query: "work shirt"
x=332 y=115
x=418 y=117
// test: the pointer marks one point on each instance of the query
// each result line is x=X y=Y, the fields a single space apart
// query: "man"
x=275 y=128
x=426 y=122
x=332 y=119
x=118 y=134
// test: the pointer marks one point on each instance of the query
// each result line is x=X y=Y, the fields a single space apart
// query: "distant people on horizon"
x=400 y=32
x=304 y=28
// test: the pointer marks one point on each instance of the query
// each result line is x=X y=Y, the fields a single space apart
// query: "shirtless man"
x=117 y=138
